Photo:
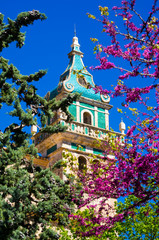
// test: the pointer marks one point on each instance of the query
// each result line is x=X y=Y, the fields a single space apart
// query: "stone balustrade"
x=83 y=129
x=88 y=130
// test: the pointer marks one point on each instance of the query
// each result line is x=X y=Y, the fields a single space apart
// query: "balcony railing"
x=82 y=129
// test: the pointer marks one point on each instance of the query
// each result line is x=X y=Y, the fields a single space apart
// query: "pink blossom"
x=134 y=170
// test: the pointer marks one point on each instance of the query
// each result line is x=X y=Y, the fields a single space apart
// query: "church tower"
x=90 y=112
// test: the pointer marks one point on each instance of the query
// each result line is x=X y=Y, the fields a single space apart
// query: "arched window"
x=82 y=163
x=96 y=162
x=87 y=118
x=96 y=167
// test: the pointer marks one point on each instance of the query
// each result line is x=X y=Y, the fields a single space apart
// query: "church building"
x=90 y=112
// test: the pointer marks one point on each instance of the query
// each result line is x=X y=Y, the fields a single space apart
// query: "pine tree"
x=31 y=199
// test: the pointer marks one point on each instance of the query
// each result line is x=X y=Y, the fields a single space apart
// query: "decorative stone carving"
x=68 y=87
x=105 y=98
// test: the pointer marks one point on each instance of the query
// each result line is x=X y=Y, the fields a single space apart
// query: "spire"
x=76 y=78
x=74 y=30
x=75 y=45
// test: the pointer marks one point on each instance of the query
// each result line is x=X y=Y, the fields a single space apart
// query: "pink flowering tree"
x=134 y=169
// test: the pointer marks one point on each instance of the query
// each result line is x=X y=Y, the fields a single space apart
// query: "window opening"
x=96 y=162
x=87 y=118
x=82 y=163
x=82 y=81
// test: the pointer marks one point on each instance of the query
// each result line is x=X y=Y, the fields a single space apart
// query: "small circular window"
x=82 y=81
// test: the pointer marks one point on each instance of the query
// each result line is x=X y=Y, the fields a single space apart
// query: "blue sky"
x=48 y=42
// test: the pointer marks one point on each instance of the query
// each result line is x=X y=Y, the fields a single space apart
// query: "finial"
x=75 y=30
x=122 y=126
x=75 y=40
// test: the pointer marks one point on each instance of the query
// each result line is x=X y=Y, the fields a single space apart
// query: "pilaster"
x=107 y=119
x=77 y=111
x=96 y=116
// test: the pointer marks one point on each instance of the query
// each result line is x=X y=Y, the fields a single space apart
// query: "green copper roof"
x=76 y=78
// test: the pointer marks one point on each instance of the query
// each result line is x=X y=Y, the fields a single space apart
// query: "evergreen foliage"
x=31 y=199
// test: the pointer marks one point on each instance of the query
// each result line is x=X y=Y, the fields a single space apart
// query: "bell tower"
x=90 y=112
